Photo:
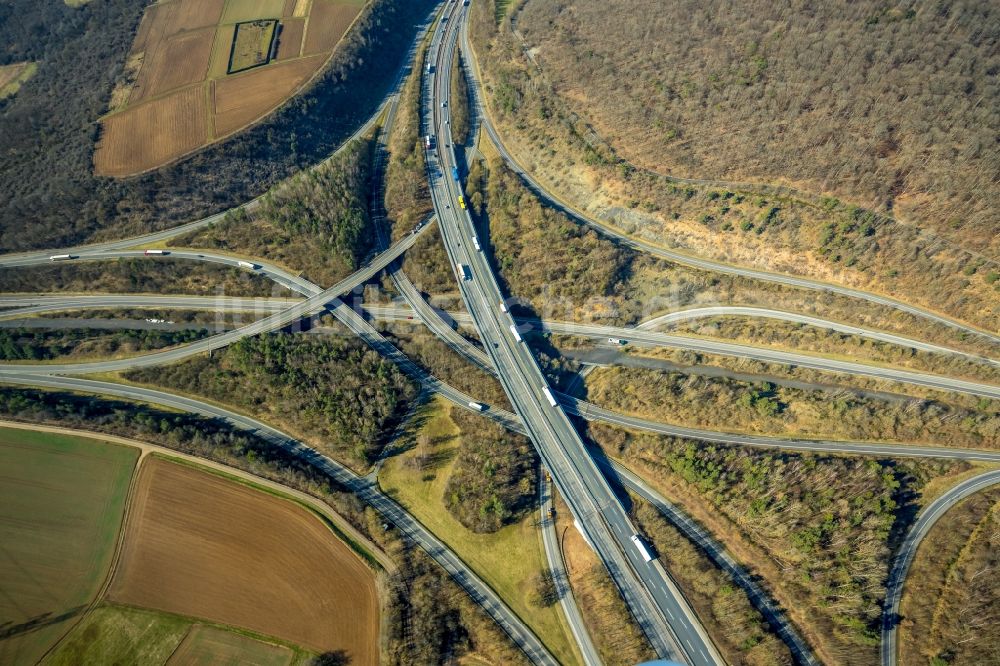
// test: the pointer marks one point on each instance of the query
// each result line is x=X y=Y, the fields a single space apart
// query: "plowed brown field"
x=203 y=546
x=153 y=133
x=178 y=62
x=181 y=43
x=328 y=21
x=241 y=99
x=290 y=39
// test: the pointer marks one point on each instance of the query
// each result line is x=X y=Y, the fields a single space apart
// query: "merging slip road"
x=626 y=240
x=480 y=592
x=904 y=557
x=659 y=608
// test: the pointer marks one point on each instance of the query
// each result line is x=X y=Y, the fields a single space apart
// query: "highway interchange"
x=656 y=603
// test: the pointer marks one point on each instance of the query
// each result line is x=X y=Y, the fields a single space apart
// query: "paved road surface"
x=717 y=553
x=659 y=608
x=904 y=557
x=626 y=240
x=480 y=592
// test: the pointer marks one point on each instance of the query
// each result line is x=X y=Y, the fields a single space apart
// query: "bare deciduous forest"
x=892 y=106
x=818 y=530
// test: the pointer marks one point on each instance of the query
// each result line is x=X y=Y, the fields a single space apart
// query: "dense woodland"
x=891 y=106
x=331 y=390
x=49 y=127
x=492 y=483
x=34 y=344
x=736 y=627
x=951 y=602
x=162 y=276
x=429 y=619
x=407 y=192
x=764 y=407
x=774 y=228
x=819 y=530
x=316 y=222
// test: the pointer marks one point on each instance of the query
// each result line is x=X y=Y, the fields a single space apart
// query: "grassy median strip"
x=509 y=560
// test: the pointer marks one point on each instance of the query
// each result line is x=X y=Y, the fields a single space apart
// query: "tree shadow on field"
x=334 y=658
x=9 y=629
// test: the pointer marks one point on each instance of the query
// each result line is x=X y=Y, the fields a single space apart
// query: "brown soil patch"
x=328 y=21
x=153 y=133
x=241 y=99
x=177 y=62
x=290 y=39
x=9 y=72
x=204 y=546
x=289 y=9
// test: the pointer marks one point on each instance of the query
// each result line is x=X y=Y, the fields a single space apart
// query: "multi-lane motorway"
x=659 y=608
x=650 y=594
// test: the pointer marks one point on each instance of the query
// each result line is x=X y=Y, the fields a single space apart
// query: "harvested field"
x=241 y=100
x=201 y=545
x=61 y=504
x=219 y=61
x=328 y=21
x=152 y=134
x=181 y=43
x=290 y=38
x=252 y=45
x=178 y=62
x=208 y=646
x=248 y=10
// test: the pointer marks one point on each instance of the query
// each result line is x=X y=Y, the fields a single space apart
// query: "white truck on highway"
x=478 y=406
x=247 y=265
x=513 y=331
x=548 y=395
x=60 y=257
x=154 y=253
x=617 y=341
x=464 y=271
x=640 y=545
x=503 y=306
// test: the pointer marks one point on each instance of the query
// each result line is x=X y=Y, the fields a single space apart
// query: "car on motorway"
x=475 y=241
x=444 y=104
x=461 y=202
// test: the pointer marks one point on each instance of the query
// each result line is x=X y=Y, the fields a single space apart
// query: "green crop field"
x=120 y=635
x=252 y=44
x=207 y=646
x=61 y=504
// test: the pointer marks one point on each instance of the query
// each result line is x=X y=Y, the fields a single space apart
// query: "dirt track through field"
x=200 y=545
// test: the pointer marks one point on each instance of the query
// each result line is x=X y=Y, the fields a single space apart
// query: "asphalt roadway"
x=478 y=590
x=655 y=602
x=904 y=556
x=626 y=240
